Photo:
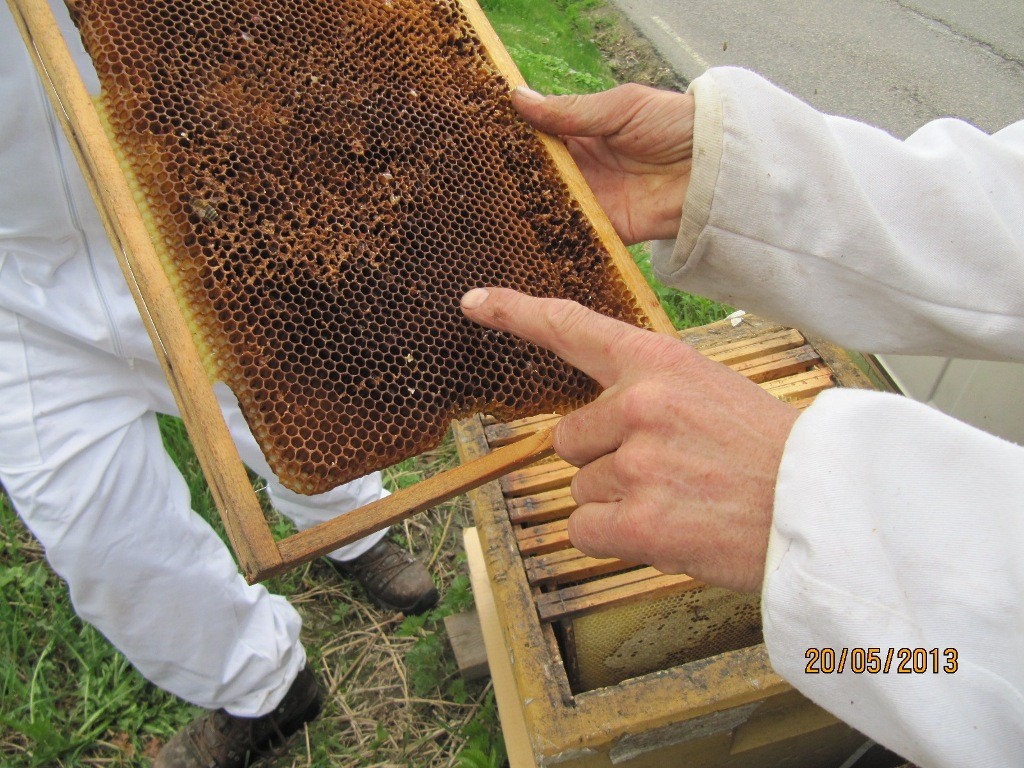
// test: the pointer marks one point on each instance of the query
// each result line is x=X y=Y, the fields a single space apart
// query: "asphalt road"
x=893 y=63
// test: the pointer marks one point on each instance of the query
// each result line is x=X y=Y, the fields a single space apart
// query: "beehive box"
x=617 y=664
x=300 y=193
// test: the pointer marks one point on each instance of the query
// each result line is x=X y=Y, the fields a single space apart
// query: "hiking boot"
x=220 y=740
x=392 y=578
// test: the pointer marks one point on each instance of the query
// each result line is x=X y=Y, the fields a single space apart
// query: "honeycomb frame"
x=187 y=364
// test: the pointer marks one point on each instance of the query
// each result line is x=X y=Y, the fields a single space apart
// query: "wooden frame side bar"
x=229 y=483
x=344 y=529
x=573 y=178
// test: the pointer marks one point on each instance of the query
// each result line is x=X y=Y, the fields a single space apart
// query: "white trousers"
x=84 y=465
x=80 y=452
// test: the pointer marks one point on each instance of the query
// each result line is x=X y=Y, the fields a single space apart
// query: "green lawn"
x=68 y=699
x=550 y=41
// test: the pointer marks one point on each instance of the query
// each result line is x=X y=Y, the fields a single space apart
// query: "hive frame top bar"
x=259 y=555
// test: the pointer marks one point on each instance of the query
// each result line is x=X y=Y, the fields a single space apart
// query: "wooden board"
x=643 y=584
x=467 y=641
x=510 y=713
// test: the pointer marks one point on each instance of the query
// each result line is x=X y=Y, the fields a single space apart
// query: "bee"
x=204 y=209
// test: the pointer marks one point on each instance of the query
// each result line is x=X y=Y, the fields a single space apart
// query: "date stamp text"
x=873 y=661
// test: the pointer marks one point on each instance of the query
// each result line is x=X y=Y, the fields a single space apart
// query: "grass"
x=67 y=698
x=684 y=309
x=551 y=42
x=65 y=693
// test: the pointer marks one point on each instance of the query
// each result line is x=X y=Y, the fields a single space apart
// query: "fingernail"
x=528 y=93
x=474 y=298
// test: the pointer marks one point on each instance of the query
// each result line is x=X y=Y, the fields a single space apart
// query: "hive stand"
x=259 y=555
x=710 y=697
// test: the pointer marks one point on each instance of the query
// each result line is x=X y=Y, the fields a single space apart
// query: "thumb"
x=596 y=114
x=599 y=346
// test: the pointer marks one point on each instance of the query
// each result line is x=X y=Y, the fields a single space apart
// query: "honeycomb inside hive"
x=323 y=181
x=616 y=644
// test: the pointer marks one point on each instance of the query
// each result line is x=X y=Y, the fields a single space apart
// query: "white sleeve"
x=896 y=526
x=839 y=229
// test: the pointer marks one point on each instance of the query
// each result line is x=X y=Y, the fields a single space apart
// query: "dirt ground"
x=631 y=56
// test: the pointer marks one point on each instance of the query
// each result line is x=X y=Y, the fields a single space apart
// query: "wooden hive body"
x=617 y=664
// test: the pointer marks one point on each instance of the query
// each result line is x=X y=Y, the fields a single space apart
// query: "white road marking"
x=664 y=27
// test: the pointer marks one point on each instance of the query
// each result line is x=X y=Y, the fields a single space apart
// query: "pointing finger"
x=595 y=344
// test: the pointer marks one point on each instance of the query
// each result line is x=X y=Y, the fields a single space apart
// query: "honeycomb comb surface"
x=323 y=182
x=632 y=640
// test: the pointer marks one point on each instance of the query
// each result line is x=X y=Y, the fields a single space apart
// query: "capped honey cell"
x=323 y=182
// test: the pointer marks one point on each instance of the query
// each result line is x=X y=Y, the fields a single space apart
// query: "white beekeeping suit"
x=894 y=525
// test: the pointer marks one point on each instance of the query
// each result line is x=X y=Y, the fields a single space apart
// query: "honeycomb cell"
x=327 y=180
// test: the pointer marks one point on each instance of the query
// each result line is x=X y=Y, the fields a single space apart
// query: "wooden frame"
x=725 y=710
x=259 y=555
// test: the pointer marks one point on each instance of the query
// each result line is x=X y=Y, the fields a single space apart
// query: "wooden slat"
x=569 y=554
x=778 y=364
x=737 y=352
x=544 y=538
x=344 y=529
x=569 y=565
x=591 y=588
x=792 y=388
x=542 y=529
x=503 y=434
x=708 y=337
x=538 y=478
x=541 y=507
x=644 y=584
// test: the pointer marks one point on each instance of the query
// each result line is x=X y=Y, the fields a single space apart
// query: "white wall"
x=988 y=395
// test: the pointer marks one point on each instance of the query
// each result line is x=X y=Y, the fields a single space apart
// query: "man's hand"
x=678 y=456
x=634 y=146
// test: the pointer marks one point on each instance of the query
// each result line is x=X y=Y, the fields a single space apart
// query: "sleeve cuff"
x=897 y=527
x=669 y=257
